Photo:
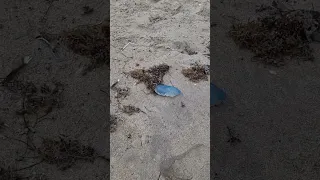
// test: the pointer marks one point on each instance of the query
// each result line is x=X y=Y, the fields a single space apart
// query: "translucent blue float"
x=164 y=90
x=217 y=95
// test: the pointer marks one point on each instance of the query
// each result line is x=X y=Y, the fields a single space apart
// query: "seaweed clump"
x=273 y=38
x=151 y=77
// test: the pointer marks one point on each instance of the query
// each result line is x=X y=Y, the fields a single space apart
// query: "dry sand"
x=272 y=111
x=83 y=107
x=275 y=115
x=145 y=144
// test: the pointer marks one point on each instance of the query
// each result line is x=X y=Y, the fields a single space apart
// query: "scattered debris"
x=14 y=72
x=206 y=69
x=197 y=72
x=91 y=41
x=232 y=138
x=124 y=47
x=44 y=97
x=151 y=77
x=64 y=153
x=114 y=84
x=217 y=95
x=12 y=173
x=47 y=42
x=208 y=54
x=274 y=37
x=87 y=10
x=2 y=125
x=113 y=123
x=184 y=48
x=156 y=18
x=263 y=8
x=9 y=174
x=27 y=59
x=164 y=90
x=21 y=87
x=214 y=24
x=189 y=51
x=121 y=92
x=130 y=110
x=47 y=38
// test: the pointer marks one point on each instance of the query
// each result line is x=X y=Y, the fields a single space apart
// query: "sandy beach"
x=149 y=144
x=273 y=110
x=53 y=117
x=56 y=81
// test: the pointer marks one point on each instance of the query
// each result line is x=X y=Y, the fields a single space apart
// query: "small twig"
x=232 y=138
x=44 y=18
x=231 y=17
x=26 y=123
x=19 y=141
x=104 y=158
x=12 y=74
x=126 y=45
x=114 y=84
x=28 y=166
x=23 y=155
x=31 y=157
x=148 y=109
x=103 y=91
x=87 y=10
x=46 y=41
x=40 y=119
x=53 y=49
x=125 y=55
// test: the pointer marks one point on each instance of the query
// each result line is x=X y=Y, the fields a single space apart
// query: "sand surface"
x=83 y=108
x=273 y=111
x=159 y=32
